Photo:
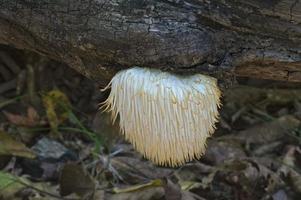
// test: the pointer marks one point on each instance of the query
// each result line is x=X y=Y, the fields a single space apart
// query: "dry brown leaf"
x=244 y=95
x=147 y=194
x=134 y=171
x=288 y=169
x=186 y=195
x=9 y=146
x=219 y=151
x=74 y=179
x=172 y=191
x=30 y=120
x=270 y=131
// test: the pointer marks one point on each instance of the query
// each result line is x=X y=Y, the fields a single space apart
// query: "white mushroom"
x=167 y=117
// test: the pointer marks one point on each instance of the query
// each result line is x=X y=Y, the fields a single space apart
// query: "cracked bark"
x=251 y=38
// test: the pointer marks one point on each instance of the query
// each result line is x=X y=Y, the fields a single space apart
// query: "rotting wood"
x=254 y=38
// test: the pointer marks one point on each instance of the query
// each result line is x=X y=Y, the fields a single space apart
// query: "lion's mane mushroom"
x=167 y=117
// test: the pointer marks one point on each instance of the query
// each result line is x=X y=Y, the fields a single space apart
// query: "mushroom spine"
x=166 y=117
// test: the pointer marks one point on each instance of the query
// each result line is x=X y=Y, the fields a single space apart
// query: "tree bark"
x=252 y=38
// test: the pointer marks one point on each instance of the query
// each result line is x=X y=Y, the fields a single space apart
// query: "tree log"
x=252 y=38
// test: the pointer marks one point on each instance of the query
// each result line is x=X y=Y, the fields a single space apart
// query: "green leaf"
x=10 y=185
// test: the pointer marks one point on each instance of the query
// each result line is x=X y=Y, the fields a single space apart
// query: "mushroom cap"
x=166 y=117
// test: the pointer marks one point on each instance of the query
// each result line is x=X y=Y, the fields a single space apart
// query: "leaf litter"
x=60 y=147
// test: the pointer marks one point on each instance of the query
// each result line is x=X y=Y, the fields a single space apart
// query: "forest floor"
x=56 y=144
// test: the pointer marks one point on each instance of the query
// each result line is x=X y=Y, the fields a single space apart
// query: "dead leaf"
x=295 y=179
x=246 y=95
x=280 y=195
x=133 y=170
x=189 y=185
x=186 y=195
x=288 y=169
x=9 y=146
x=153 y=183
x=30 y=120
x=248 y=172
x=147 y=194
x=219 y=151
x=270 y=131
x=207 y=181
x=56 y=104
x=289 y=157
x=172 y=191
x=74 y=179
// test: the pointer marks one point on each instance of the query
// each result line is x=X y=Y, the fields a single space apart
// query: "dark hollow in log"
x=251 y=38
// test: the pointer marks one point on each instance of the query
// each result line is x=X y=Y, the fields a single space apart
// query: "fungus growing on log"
x=166 y=117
